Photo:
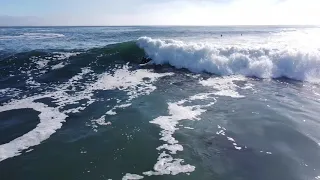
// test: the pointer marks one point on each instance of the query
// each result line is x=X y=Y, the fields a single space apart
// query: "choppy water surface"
x=77 y=104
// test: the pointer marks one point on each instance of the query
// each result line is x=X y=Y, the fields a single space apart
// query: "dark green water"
x=95 y=113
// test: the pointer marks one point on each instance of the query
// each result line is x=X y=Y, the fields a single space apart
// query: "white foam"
x=29 y=150
x=64 y=55
x=260 y=62
x=129 y=176
x=177 y=113
x=100 y=121
x=58 y=66
x=12 y=92
x=42 y=35
x=134 y=83
x=42 y=63
x=201 y=96
x=50 y=120
x=166 y=164
x=112 y=111
x=32 y=83
x=33 y=36
x=123 y=105
x=173 y=148
x=223 y=133
x=225 y=85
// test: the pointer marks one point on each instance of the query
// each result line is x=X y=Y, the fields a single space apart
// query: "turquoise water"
x=76 y=103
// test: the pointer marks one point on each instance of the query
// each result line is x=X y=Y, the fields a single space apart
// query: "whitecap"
x=129 y=176
x=222 y=60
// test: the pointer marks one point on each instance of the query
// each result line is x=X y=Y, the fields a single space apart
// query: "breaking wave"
x=32 y=36
x=296 y=64
x=234 y=60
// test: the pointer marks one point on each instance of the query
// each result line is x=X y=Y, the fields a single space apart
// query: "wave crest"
x=234 y=60
x=32 y=36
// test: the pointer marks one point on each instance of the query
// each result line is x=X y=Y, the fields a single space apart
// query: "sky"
x=158 y=12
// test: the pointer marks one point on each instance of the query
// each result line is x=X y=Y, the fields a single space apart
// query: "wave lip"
x=234 y=60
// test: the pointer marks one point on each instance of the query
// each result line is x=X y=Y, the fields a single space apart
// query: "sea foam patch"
x=50 y=120
x=225 y=86
x=42 y=62
x=58 y=66
x=64 y=55
x=129 y=176
x=11 y=92
x=135 y=83
x=33 y=35
x=166 y=164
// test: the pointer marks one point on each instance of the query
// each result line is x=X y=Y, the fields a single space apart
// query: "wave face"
x=234 y=60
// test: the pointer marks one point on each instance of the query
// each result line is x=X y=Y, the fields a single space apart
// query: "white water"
x=258 y=61
x=225 y=86
x=167 y=164
x=129 y=176
x=134 y=83
x=32 y=36
x=50 y=120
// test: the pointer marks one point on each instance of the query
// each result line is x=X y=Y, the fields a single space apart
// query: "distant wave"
x=32 y=36
x=234 y=60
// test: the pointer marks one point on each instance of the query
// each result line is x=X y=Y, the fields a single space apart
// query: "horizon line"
x=312 y=25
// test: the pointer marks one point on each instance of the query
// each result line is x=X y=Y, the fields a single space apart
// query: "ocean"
x=214 y=103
